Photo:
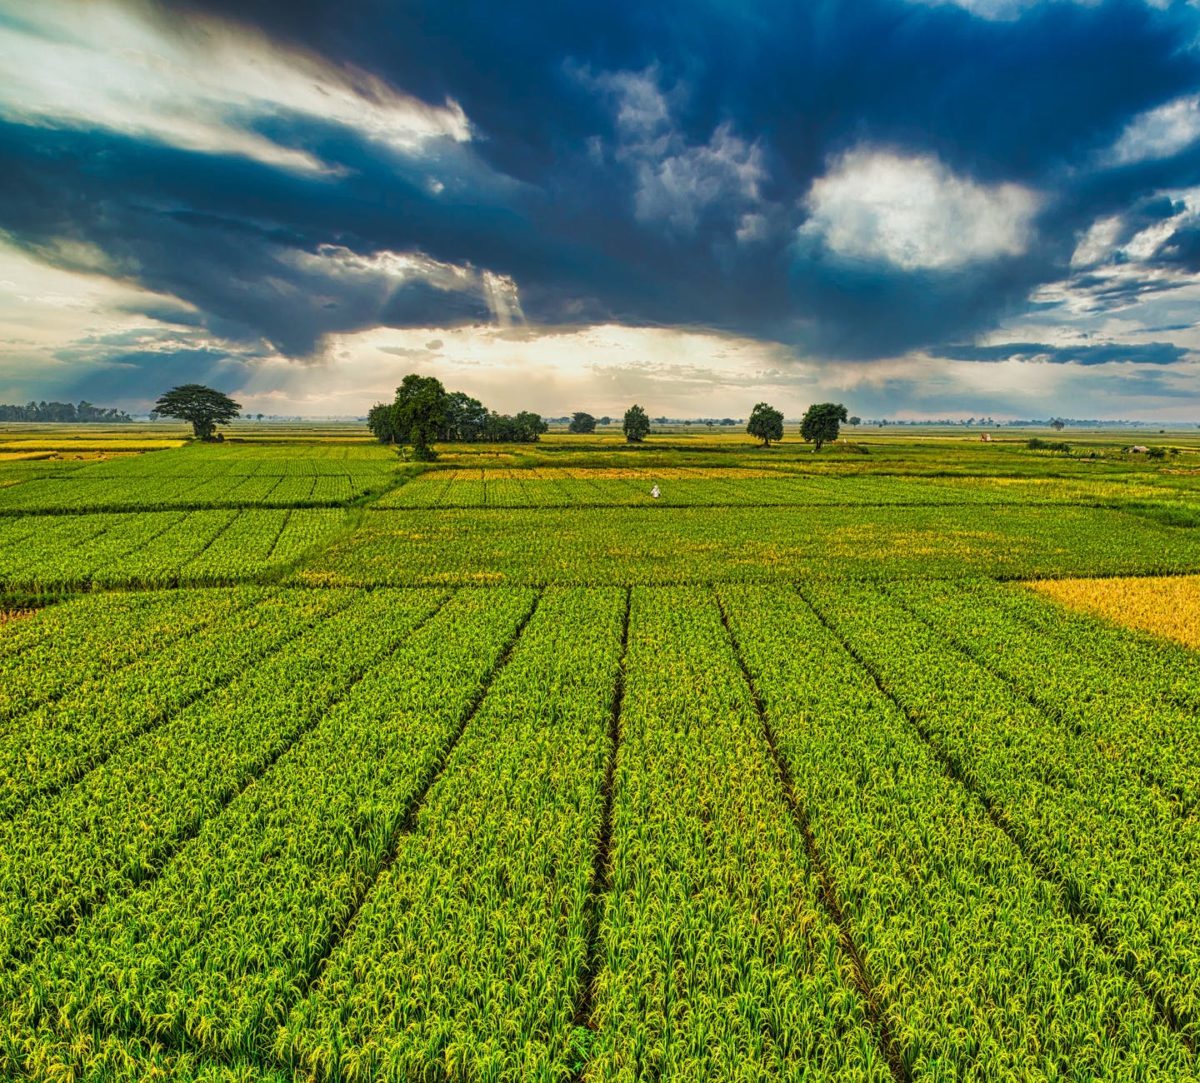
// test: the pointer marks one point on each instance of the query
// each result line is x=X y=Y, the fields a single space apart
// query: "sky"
x=920 y=208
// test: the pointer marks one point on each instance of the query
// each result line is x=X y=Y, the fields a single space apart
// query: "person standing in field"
x=655 y=493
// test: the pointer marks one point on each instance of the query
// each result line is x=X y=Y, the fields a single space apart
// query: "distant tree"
x=63 y=412
x=420 y=413
x=1058 y=424
x=381 y=420
x=606 y=420
x=258 y=417
x=416 y=417
x=203 y=406
x=766 y=423
x=582 y=423
x=636 y=424
x=529 y=426
x=523 y=428
x=855 y=421
x=820 y=423
x=466 y=418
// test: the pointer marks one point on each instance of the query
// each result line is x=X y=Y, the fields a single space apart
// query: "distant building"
x=986 y=437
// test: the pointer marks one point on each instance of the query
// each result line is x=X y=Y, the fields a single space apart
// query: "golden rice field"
x=1161 y=605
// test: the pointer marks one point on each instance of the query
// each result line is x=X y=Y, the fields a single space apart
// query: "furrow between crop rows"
x=118 y=827
x=601 y=872
x=1054 y=797
x=828 y=893
x=246 y=915
x=468 y=955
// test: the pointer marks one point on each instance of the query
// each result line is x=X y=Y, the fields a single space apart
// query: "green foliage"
x=523 y=428
x=636 y=425
x=423 y=412
x=418 y=413
x=766 y=423
x=487 y=826
x=1038 y=444
x=710 y=884
x=242 y=476
x=1074 y=797
x=157 y=549
x=582 y=423
x=64 y=413
x=597 y=545
x=990 y=995
x=204 y=407
x=473 y=940
x=819 y=426
x=466 y=419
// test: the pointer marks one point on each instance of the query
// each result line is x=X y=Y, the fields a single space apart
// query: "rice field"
x=515 y=772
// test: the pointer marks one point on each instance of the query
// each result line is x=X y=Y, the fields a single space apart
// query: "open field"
x=869 y=765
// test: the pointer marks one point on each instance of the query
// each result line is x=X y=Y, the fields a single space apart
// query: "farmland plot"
x=518 y=774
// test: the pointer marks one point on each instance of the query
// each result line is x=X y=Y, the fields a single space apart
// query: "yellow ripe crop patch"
x=1162 y=605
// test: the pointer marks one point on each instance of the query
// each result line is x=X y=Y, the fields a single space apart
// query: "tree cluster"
x=82 y=411
x=424 y=413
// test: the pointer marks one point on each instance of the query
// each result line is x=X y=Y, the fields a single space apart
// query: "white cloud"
x=1006 y=10
x=199 y=85
x=676 y=182
x=1158 y=133
x=914 y=213
x=382 y=273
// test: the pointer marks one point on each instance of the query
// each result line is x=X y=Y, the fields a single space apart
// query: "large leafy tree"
x=766 y=423
x=417 y=416
x=582 y=423
x=637 y=424
x=204 y=407
x=820 y=424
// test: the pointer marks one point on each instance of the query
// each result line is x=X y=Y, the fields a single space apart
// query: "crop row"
x=119 y=822
x=1092 y=679
x=716 y=959
x=213 y=952
x=155 y=548
x=1125 y=859
x=218 y=638
x=585 y=546
x=534 y=488
x=467 y=959
x=90 y=494
x=64 y=646
x=980 y=971
x=249 y=460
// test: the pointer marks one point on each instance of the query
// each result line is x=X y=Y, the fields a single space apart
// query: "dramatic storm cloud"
x=918 y=206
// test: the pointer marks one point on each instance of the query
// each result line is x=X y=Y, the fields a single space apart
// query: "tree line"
x=63 y=412
x=424 y=413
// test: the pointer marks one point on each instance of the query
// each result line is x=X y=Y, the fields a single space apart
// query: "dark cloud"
x=547 y=191
x=142 y=375
x=1149 y=353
